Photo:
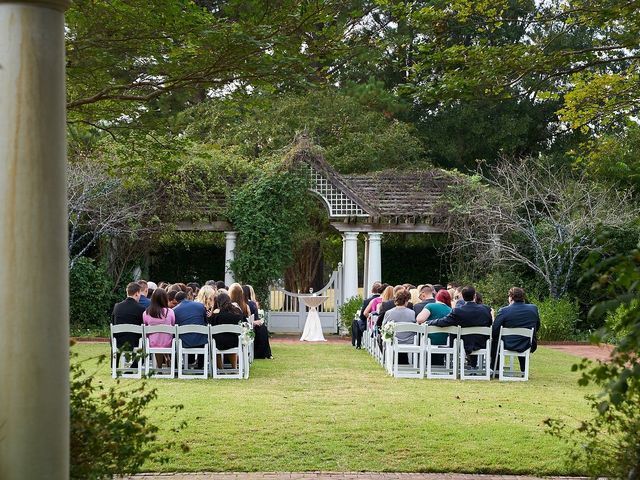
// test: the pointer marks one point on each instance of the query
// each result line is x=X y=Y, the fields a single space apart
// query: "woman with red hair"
x=441 y=308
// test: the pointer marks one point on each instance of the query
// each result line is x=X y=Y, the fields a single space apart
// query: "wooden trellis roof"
x=386 y=197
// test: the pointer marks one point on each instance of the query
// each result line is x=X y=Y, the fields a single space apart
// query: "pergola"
x=387 y=201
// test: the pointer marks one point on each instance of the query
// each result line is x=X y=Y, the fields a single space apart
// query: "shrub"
x=348 y=310
x=615 y=325
x=110 y=433
x=558 y=319
x=495 y=286
x=91 y=294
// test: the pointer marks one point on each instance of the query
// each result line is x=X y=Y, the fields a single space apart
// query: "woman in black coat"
x=226 y=313
x=261 y=346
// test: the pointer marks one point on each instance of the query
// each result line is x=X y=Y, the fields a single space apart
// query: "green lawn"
x=329 y=407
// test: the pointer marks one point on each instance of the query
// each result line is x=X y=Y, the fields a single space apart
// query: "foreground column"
x=34 y=324
x=229 y=255
x=350 y=265
x=375 y=260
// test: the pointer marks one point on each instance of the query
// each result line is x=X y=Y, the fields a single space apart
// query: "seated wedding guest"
x=385 y=294
x=194 y=286
x=389 y=304
x=163 y=285
x=261 y=345
x=159 y=313
x=517 y=314
x=432 y=311
x=425 y=296
x=359 y=325
x=128 y=312
x=151 y=287
x=171 y=297
x=457 y=299
x=189 y=293
x=237 y=297
x=437 y=287
x=220 y=285
x=144 y=291
x=207 y=297
x=226 y=313
x=470 y=314
x=188 y=312
x=400 y=313
x=182 y=286
x=210 y=283
x=174 y=288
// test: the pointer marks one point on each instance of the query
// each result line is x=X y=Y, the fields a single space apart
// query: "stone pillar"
x=365 y=278
x=229 y=255
x=375 y=260
x=34 y=334
x=350 y=265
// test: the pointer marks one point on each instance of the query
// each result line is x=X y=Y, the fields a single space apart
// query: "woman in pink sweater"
x=159 y=313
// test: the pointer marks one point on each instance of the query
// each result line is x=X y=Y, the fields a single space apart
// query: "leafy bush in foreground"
x=110 y=433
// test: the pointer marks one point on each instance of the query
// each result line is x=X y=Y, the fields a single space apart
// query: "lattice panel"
x=339 y=204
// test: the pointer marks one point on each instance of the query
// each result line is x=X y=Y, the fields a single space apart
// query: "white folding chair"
x=183 y=352
x=238 y=350
x=415 y=351
x=121 y=361
x=511 y=374
x=483 y=366
x=450 y=351
x=151 y=364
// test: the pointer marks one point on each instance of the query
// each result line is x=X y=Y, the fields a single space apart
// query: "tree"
x=100 y=206
x=124 y=59
x=609 y=442
x=527 y=212
x=355 y=138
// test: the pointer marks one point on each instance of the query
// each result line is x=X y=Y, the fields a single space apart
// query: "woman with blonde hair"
x=207 y=297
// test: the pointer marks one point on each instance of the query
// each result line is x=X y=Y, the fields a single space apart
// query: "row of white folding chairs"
x=421 y=353
x=144 y=359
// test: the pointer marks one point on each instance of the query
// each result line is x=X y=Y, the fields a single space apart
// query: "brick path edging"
x=336 y=475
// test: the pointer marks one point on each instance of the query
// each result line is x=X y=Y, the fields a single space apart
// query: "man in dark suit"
x=129 y=311
x=516 y=315
x=359 y=326
x=470 y=314
x=189 y=312
x=426 y=296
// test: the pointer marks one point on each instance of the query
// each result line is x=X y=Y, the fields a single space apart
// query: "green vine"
x=269 y=213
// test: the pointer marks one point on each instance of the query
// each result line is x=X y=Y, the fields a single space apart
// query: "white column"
x=365 y=277
x=229 y=255
x=375 y=260
x=350 y=265
x=34 y=334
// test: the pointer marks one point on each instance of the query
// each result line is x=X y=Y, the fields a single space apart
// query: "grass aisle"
x=329 y=407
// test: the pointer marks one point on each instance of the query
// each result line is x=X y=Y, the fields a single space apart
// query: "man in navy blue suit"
x=191 y=313
x=470 y=314
x=516 y=315
x=144 y=290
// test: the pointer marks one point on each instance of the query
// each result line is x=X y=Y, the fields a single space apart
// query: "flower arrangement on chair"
x=247 y=333
x=388 y=330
